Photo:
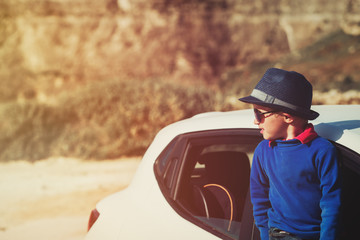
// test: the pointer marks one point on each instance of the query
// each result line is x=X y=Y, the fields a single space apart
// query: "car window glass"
x=164 y=158
x=170 y=171
x=350 y=165
x=215 y=179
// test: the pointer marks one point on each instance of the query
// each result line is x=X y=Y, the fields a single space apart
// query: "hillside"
x=98 y=79
x=47 y=47
x=331 y=64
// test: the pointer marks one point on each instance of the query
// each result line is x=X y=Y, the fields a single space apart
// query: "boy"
x=294 y=183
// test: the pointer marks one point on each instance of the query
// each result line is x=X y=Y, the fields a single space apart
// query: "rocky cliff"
x=54 y=44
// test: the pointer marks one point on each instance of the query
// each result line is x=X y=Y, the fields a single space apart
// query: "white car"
x=193 y=180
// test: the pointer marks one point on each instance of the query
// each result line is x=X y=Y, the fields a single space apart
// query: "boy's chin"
x=266 y=137
x=270 y=138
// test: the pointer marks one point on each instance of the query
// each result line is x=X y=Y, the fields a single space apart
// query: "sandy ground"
x=52 y=199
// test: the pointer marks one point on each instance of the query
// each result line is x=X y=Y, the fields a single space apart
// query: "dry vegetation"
x=94 y=80
x=100 y=121
x=113 y=118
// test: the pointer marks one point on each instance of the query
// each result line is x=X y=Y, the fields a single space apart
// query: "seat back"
x=230 y=169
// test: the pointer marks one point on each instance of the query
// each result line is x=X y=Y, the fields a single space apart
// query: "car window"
x=350 y=165
x=210 y=181
x=165 y=158
x=166 y=164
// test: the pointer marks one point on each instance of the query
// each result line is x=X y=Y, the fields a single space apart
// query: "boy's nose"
x=256 y=122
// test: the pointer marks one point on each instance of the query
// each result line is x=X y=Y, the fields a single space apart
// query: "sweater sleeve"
x=330 y=183
x=259 y=190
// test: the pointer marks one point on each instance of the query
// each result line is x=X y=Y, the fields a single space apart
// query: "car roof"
x=340 y=123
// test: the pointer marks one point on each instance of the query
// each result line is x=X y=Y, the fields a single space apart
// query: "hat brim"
x=306 y=114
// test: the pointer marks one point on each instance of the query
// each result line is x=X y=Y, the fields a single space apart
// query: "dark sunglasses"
x=259 y=116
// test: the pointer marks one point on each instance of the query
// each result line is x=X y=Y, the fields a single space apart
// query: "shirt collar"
x=306 y=136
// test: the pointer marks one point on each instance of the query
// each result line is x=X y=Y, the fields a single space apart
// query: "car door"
x=205 y=177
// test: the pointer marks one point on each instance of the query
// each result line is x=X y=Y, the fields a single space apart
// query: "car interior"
x=215 y=183
x=220 y=187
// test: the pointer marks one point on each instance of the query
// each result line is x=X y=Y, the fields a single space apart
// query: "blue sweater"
x=296 y=187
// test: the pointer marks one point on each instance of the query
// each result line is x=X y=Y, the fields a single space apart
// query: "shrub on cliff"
x=107 y=119
x=121 y=117
x=29 y=130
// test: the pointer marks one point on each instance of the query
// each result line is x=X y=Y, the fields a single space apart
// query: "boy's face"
x=272 y=124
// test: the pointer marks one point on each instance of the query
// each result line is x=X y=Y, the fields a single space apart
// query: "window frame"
x=180 y=148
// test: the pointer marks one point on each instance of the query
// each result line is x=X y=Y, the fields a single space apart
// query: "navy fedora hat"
x=286 y=91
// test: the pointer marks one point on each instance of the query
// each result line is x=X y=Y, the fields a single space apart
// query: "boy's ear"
x=288 y=118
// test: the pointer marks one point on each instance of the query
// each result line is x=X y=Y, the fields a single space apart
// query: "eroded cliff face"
x=76 y=40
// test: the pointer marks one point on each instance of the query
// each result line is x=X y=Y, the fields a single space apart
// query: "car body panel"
x=131 y=213
x=340 y=124
x=142 y=212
